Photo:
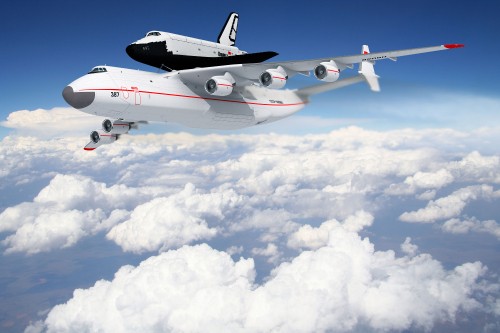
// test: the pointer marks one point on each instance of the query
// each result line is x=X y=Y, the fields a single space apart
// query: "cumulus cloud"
x=409 y=248
x=268 y=175
x=271 y=251
x=430 y=180
x=476 y=167
x=57 y=122
x=341 y=286
x=458 y=226
x=314 y=238
x=164 y=223
x=471 y=168
x=451 y=205
x=299 y=202
x=68 y=208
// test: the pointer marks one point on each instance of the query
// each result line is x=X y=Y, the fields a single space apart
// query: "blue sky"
x=391 y=194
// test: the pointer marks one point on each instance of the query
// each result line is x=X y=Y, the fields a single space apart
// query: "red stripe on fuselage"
x=189 y=96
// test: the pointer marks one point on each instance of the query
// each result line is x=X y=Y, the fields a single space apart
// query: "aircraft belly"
x=190 y=112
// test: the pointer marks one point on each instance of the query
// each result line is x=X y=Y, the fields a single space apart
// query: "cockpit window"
x=153 y=33
x=98 y=70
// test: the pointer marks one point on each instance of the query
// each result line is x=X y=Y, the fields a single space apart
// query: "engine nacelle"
x=115 y=127
x=102 y=138
x=273 y=78
x=327 y=71
x=219 y=86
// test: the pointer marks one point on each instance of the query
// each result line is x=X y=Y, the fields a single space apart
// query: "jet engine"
x=273 y=78
x=102 y=138
x=115 y=127
x=327 y=71
x=218 y=86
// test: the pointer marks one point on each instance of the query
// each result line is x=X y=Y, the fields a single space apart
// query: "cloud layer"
x=298 y=207
x=340 y=286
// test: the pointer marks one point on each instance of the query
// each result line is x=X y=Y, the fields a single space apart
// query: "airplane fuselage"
x=176 y=52
x=143 y=96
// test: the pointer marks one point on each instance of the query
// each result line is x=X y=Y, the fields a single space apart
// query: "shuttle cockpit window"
x=98 y=70
x=153 y=33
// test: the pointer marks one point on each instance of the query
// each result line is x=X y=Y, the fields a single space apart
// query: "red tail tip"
x=453 y=46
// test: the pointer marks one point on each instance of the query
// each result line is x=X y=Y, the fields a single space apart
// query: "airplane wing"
x=348 y=61
x=246 y=74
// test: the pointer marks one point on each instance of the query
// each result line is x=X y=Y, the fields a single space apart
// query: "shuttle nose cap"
x=132 y=50
x=78 y=100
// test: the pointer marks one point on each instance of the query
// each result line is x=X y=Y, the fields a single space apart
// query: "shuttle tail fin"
x=227 y=35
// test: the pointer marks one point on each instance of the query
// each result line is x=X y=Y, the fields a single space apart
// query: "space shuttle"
x=170 y=51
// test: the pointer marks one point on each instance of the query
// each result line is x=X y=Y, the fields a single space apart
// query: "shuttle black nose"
x=78 y=100
x=132 y=51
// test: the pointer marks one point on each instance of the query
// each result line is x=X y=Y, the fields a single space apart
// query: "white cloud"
x=427 y=195
x=458 y=226
x=430 y=180
x=261 y=192
x=57 y=122
x=268 y=176
x=476 y=167
x=53 y=229
x=168 y=222
x=451 y=205
x=270 y=251
x=198 y=283
x=232 y=250
x=314 y=238
x=179 y=219
x=272 y=222
x=310 y=237
x=409 y=248
x=341 y=286
x=472 y=167
x=68 y=208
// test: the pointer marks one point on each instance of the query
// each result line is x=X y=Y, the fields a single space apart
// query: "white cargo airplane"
x=221 y=97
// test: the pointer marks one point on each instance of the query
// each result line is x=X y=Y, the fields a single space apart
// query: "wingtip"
x=453 y=46
x=88 y=149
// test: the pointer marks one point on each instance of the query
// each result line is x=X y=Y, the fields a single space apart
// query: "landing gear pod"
x=116 y=127
x=102 y=138
x=327 y=71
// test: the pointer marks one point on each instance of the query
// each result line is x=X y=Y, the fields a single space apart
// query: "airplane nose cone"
x=78 y=100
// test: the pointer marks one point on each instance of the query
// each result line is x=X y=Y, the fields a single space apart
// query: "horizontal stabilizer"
x=319 y=88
